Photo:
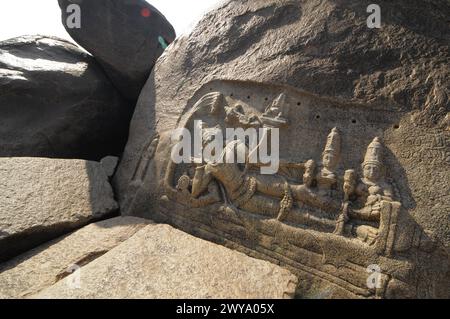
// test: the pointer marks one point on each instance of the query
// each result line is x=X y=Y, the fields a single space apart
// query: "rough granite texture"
x=124 y=36
x=109 y=164
x=56 y=101
x=41 y=199
x=396 y=77
x=43 y=266
x=167 y=263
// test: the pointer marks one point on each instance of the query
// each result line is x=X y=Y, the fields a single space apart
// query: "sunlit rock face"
x=364 y=142
x=125 y=36
x=161 y=262
x=52 y=261
x=43 y=198
x=55 y=101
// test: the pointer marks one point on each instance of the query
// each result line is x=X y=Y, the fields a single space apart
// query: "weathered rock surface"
x=41 y=199
x=55 y=101
x=109 y=165
x=47 y=264
x=247 y=57
x=124 y=36
x=162 y=262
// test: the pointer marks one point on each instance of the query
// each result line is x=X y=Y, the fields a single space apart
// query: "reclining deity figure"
x=268 y=195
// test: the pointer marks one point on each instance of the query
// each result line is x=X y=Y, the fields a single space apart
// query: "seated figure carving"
x=368 y=195
x=300 y=193
x=326 y=179
x=266 y=195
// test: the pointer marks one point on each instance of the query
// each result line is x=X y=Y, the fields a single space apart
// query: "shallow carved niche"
x=332 y=182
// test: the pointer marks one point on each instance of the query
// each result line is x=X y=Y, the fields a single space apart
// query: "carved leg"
x=303 y=194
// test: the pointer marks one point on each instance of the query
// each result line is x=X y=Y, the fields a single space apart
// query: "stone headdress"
x=333 y=145
x=374 y=153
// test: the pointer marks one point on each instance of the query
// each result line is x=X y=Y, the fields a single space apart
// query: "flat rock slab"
x=47 y=264
x=162 y=262
x=41 y=199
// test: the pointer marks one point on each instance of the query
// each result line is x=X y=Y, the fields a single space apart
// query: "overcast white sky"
x=43 y=16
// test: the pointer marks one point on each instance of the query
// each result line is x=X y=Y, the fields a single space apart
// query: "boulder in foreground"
x=45 y=265
x=41 y=199
x=162 y=262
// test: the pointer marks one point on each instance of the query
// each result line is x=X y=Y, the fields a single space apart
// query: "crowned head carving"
x=373 y=161
x=332 y=151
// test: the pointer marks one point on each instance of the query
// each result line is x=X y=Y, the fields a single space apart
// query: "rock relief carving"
x=352 y=202
x=358 y=214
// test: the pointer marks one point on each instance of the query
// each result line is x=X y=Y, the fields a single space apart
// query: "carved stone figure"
x=145 y=159
x=286 y=203
x=349 y=184
x=269 y=196
x=372 y=188
x=303 y=214
x=349 y=189
x=140 y=172
x=363 y=204
x=183 y=183
x=327 y=179
x=276 y=115
x=308 y=175
x=236 y=116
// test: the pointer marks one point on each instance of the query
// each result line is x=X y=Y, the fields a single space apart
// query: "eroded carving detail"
x=358 y=214
x=319 y=194
x=276 y=115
